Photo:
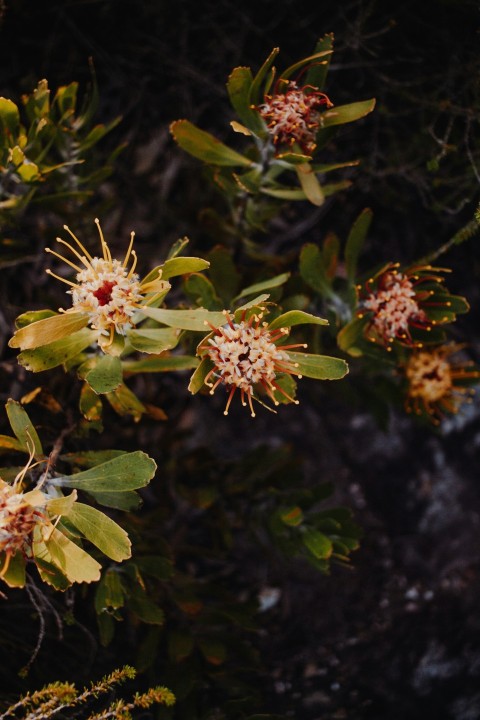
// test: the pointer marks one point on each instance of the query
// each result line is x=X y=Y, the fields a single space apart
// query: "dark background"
x=397 y=635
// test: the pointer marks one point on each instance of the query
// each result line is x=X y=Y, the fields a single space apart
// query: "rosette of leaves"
x=42 y=520
x=266 y=173
x=46 y=148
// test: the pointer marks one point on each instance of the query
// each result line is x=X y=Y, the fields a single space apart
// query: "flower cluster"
x=246 y=357
x=293 y=117
x=404 y=305
x=106 y=289
x=20 y=513
x=436 y=384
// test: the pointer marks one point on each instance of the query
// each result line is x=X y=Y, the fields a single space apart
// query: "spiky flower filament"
x=245 y=356
x=436 y=385
x=294 y=116
x=396 y=303
x=106 y=289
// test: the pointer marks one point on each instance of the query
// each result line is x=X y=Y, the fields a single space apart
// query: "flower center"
x=393 y=307
x=429 y=377
x=17 y=520
x=104 y=293
x=245 y=355
x=294 y=116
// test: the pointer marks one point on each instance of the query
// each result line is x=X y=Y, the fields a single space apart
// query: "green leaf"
x=296 y=317
x=8 y=443
x=23 y=429
x=160 y=364
x=56 y=353
x=204 y=146
x=317 y=543
x=319 y=367
x=46 y=331
x=342 y=114
x=356 y=238
x=349 y=335
x=317 y=55
x=182 y=266
x=197 y=380
x=292 y=516
x=213 y=650
x=196 y=319
x=14 y=576
x=264 y=285
x=223 y=272
x=72 y=561
x=153 y=340
x=106 y=375
x=180 y=645
x=310 y=185
x=256 y=94
x=33 y=316
x=145 y=609
x=9 y=119
x=127 y=500
x=125 y=402
x=201 y=291
x=90 y=404
x=317 y=72
x=239 y=88
x=101 y=531
x=109 y=592
x=313 y=271
x=127 y=472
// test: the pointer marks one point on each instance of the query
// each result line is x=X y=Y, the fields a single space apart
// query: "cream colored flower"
x=245 y=356
x=106 y=289
x=436 y=384
x=293 y=117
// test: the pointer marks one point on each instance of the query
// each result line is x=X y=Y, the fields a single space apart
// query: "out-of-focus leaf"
x=296 y=317
x=310 y=184
x=14 y=576
x=356 y=238
x=318 y=543
x=264 y=285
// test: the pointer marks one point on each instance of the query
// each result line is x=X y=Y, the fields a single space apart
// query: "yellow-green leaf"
x=72 y=560
x=46 y=331
x=197 y=319
x=101 y=531
x=58 y=352
x=23 y=428
x=319 y=367
x=204 y=146
x=125 y=472
x=296 y=317
x=106 y=375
